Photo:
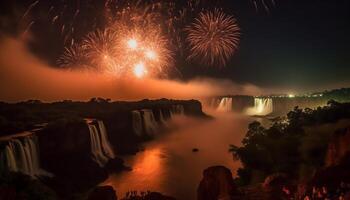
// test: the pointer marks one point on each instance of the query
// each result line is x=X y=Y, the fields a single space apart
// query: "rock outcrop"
x=79 y=153
x=65 y=152
x=217 y=183
x=338 y=148
x=103 y=193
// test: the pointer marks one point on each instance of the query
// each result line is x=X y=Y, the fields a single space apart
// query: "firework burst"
x=100 y=47
x=73 y=56
x=213 y=37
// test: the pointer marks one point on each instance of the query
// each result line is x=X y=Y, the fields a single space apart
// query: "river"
x=169 y=166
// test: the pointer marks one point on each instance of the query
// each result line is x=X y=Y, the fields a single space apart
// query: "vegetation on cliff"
x=286 y=146
x=23 y=116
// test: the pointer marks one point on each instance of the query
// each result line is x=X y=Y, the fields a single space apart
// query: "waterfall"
x=137 y=122
x=262 y=106
x=225 y=105
x=101 y=150
x=149 y=122
x=21 y=155
x=106 y=146
x=161 y=117
x=177 y=110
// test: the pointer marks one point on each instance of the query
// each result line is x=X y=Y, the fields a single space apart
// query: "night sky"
x=298 y=44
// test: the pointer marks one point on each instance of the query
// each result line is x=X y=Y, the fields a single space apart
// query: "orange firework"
x=73 y=56
x=145 y=45
x=213 y=37
x=118 y=50
x=100 y=47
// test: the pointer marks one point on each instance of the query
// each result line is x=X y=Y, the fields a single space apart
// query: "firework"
x=213 y=37
x=264 y=4
x=123 y=33
x=100 y=47
x=145 y=45
x=73 y=56
x=122 y=52
x=140 y=70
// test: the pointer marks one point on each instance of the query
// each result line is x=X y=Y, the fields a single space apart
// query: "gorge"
x=79 y=151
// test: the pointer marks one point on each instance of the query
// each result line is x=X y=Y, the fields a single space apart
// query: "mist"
x=24 y=76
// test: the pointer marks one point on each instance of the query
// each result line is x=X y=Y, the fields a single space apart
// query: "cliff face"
x=338 y=148
x=79 y=152
x=120 y=125
x=66 y=146
x=65 y=152
x=217 y=183
x=193 y=108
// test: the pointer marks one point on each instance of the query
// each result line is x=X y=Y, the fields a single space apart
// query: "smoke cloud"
x=24 y=76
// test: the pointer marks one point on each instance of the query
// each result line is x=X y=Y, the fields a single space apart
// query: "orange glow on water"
x=149 y=168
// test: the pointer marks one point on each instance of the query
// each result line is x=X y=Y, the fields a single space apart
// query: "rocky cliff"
x=338 y=148
x=217 y=183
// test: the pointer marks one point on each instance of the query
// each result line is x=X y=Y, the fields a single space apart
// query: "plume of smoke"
x=23 y=76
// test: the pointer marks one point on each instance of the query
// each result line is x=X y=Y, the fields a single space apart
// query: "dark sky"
x=300 y=43
x=297 y=44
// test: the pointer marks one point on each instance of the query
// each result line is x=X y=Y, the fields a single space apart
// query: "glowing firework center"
x=142 y=56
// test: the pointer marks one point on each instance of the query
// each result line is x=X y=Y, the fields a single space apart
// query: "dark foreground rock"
x=133 y=195
x=103 y=193
x=19 y=186
x=338 y=148
x=116 y=165
x=217 y=183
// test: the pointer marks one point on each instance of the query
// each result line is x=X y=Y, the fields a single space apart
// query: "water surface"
x=168 y=164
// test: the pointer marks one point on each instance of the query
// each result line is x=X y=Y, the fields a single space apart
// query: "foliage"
x=27 y=115
x=285 y=147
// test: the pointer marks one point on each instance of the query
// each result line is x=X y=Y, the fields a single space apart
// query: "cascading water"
x=106 y=146
x=262 y=106
x=225 y=105
x=101 y=150
x=137 y=122
x=177 y=110
x=214 y=102
x=149 y=121
x=161 y=117
x=21 y=155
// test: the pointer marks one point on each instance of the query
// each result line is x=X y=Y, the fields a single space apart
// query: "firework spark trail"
x=54 y=19
x=50 y=10
x=213 y=37
x=72 y=56
x=31 y=6
x=266 y=6
x=28 y=28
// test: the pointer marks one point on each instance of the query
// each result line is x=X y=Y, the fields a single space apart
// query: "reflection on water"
x=168 y=164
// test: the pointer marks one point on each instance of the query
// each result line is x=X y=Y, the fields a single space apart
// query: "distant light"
x=291 y=95
x=140 y=70
x=132 y=43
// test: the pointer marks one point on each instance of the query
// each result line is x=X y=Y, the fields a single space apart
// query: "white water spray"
x=262 y=107
x=101 y=149
x=21 y=155
x=225 y=105
x=149 y=121
x=137 y=122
